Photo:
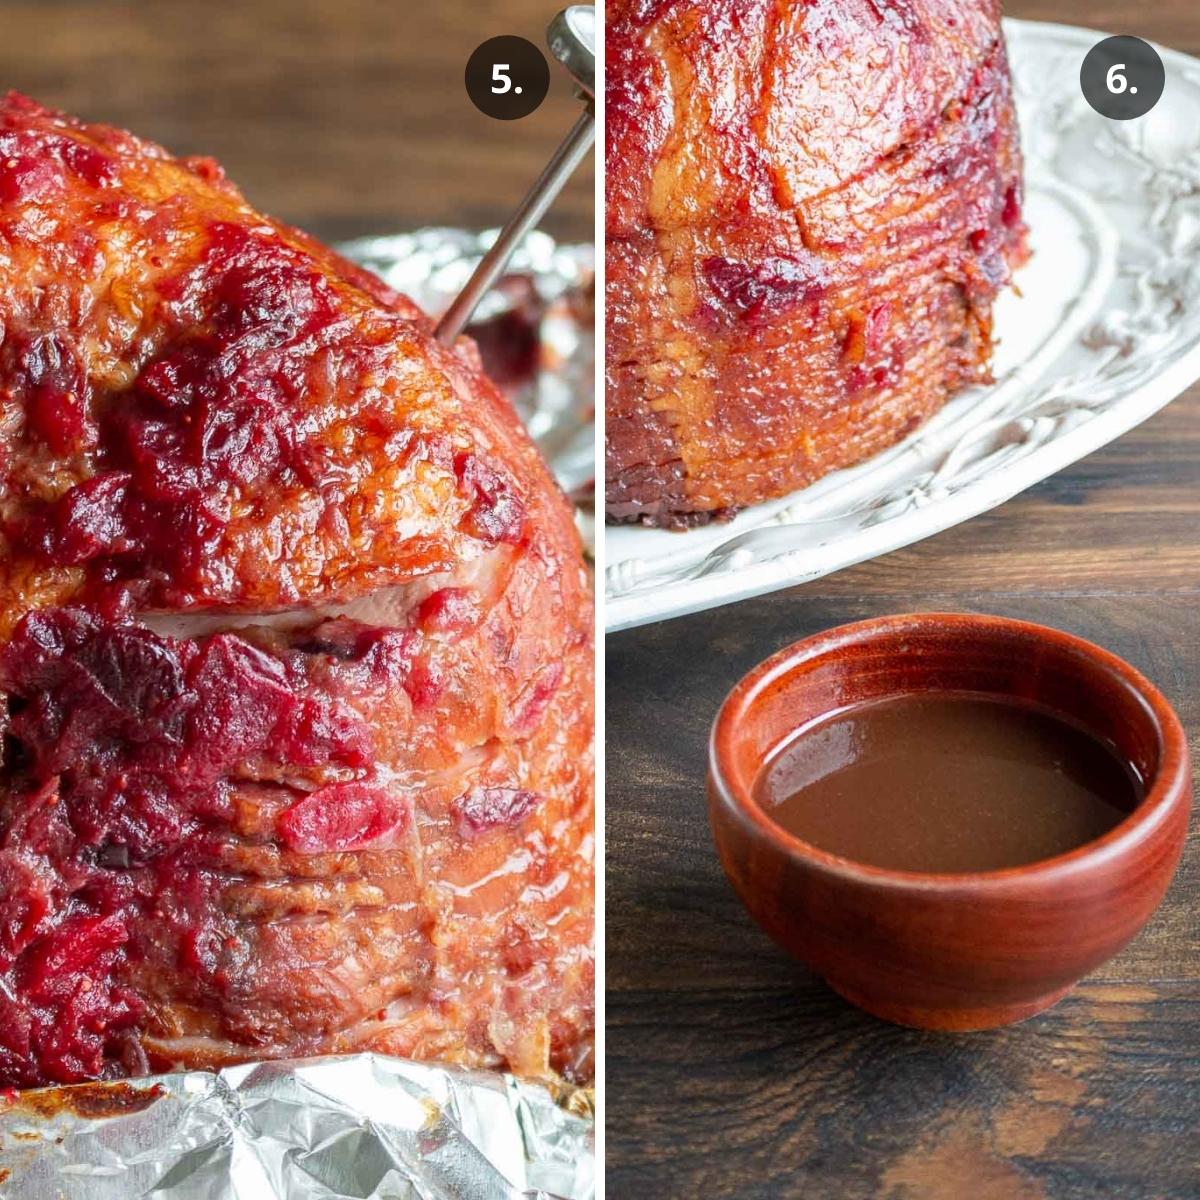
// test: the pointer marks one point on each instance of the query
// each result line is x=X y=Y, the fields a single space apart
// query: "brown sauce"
x=946 y=782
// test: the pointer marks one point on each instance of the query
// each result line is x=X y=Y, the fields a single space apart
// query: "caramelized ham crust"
x=812 y=205
x=296 y=642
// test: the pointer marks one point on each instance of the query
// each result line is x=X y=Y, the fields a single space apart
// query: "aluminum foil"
x=363 y=1126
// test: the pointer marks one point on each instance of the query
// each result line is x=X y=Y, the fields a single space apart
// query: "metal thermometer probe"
x=572 y=40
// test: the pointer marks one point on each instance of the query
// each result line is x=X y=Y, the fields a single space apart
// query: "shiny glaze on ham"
x=295 y=643
x=811 y=207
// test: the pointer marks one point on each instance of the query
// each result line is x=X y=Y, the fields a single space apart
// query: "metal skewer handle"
x=572 y=40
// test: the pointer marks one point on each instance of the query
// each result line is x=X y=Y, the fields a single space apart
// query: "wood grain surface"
x=341 y=116
x=734 y=1072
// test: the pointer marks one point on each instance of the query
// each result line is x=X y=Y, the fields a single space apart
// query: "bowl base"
x=951 y=1020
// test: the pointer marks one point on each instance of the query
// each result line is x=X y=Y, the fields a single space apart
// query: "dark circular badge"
x=507 y=78
x=1122 y=78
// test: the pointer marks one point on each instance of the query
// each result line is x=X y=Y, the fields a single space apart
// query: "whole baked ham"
x=296 y=641
x=811 y=207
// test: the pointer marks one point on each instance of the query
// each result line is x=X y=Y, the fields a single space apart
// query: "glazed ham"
x=811 y=207
x=296 y=642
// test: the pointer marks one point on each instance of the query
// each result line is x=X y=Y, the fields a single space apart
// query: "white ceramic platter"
x=1105 y=332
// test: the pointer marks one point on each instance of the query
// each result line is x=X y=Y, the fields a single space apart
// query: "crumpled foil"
x=363 y=1126
x=558 y=405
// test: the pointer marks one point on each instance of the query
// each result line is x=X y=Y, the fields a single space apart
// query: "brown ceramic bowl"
x=966 y=951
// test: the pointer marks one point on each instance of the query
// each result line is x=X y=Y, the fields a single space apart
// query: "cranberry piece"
x=80 y=948
x=174 y=380
x=87 y=163
x=486 y=808
x=263 y=285
x=59 y=418
x=32 y=168
x=243 y=696
x=342 y=816
x=28 y=178
x=764 y=289
x=71 y=1039
x=247 y=707
x=26 y=902
x=495 y=515
x=79 y=676
x=85 y=523
x=57 y=404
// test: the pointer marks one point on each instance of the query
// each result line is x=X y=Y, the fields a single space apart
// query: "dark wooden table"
x=342 y=116
x=734 y=1072
x=1174 y=23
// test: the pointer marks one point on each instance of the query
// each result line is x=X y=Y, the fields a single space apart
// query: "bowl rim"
x=1170 y=782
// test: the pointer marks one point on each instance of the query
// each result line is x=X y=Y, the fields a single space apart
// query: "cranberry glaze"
x=950 y=951
x=295 y=650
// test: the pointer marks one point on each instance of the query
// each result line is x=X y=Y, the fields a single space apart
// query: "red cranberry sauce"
x=122 y=753
x=228 y=412
x=127 y=759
